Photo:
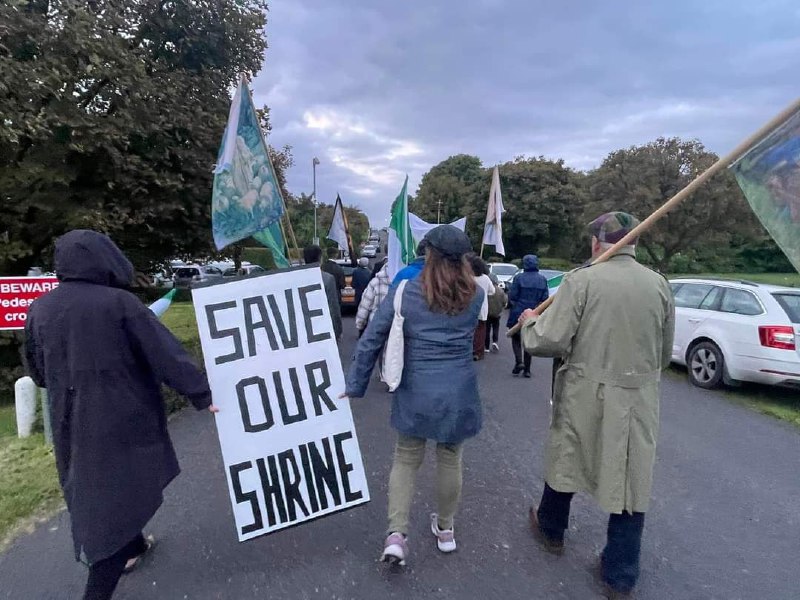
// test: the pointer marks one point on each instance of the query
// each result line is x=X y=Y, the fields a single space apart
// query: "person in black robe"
x=102 y=355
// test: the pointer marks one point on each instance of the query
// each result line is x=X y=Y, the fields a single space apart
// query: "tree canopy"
x=639 y=179
x=543 y=201
x=548 y=206
x=113 y=113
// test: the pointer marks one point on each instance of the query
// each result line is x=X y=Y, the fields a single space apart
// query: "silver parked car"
x=190 y=275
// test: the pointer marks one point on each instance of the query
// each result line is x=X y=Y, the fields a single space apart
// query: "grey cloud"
x=393 y=88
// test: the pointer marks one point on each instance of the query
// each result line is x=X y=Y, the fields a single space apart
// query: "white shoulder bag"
x=393 y=367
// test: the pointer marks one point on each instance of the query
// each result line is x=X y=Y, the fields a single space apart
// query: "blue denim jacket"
x=438 y=395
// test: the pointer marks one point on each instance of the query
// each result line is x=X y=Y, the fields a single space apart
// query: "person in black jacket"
x=361 y=278
x=329 y=266
x=528 y=290
x=102 y=355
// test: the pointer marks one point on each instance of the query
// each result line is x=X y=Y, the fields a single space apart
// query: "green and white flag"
x=160 y=306
x=401 y=240
x=554 y=283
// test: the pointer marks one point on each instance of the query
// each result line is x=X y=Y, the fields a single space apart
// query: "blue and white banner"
x=246 y=197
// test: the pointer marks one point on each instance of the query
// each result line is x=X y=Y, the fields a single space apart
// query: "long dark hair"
x=478 y=266
x=448 y=285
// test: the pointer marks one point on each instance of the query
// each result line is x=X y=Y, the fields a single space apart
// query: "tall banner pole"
x=670 y=204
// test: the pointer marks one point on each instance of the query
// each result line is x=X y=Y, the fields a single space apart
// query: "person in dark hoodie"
x=528 y=290
x=103 y=355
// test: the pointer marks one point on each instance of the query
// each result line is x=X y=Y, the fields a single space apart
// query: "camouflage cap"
x=613 y=226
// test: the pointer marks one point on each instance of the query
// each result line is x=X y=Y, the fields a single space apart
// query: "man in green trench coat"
x=613 y=326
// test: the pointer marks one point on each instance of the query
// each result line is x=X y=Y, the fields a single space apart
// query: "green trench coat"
x=613 y=325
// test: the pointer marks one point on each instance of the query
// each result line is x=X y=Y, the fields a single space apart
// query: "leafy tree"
x=449 y=190
x=639 y=179
x=544 y=202
x=301 y=213
x=112 y=116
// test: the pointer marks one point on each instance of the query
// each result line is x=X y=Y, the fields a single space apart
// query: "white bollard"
x=25 y=396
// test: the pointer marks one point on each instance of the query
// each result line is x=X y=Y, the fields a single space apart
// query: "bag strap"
x=398 y=297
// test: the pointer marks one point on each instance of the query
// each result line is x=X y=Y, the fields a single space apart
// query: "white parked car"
x=729 y=331
x=504 y=272
x=369 y=251
x=245 y=271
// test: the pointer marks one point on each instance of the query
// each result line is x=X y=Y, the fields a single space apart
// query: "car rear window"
x=740 y=302
x=186 y=272
x=504 y=269
x=791 y=304
x=691 y=295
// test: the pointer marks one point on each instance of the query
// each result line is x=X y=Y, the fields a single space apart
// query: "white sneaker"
x=445 y=538
x=495 y=347
x=395 y=549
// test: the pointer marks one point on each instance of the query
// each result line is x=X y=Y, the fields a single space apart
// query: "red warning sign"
x=16 y=296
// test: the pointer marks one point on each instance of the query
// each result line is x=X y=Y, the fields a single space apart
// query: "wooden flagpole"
x=245 y=81
x=718 y=166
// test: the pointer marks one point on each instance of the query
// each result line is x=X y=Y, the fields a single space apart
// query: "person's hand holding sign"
x=213 y=409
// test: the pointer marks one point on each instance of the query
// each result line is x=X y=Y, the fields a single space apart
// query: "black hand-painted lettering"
x=345 y=467
x=271 y=486
x=251 y=497
x=291 y=484
x=308 y=314
x=325 y=473
x=318 y=390
x=263 y=323
x=287 y=418
x=305 y=460
x=218 y=334
x=290 y=339
x=241 y=393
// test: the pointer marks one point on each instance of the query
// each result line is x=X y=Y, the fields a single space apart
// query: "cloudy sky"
x=380 y=88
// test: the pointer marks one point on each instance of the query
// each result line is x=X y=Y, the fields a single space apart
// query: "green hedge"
x=559 y=264
x=259 y=256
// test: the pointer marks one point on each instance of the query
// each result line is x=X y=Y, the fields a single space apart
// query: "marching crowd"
x=609 y=329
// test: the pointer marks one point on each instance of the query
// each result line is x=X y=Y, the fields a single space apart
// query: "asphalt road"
x=724 y=522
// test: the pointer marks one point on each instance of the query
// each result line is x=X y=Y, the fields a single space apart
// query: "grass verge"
x=777 y=402
x=28 y=480
x=781 y=403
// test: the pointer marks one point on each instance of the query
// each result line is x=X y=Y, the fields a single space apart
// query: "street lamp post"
x=314 y=164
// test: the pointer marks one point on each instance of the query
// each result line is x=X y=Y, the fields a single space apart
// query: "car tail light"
x=777 y=336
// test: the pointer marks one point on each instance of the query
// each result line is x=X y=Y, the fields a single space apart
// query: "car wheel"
x=706 y=365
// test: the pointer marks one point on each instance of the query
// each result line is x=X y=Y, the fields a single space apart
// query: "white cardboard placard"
x=288 y=442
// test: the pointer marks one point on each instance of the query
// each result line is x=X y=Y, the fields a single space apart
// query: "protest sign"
x=288 y=442
x=16 y=296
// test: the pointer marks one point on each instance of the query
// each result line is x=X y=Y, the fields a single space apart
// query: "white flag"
x=420 y=228
x=338 y=232
x=493 y=230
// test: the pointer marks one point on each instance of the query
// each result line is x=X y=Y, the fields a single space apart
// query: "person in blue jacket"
x=413 y=270
x=437 y=398
x=528 y=290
